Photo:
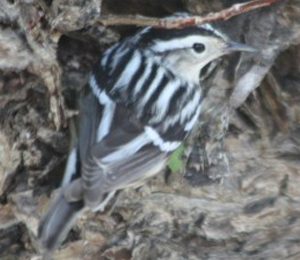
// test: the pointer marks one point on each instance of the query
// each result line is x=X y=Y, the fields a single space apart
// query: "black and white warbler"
x=143 y=100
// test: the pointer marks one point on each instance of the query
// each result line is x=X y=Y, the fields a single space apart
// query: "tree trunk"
x=237 y=194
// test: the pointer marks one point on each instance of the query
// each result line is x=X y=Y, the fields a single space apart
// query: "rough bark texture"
x=238 y=195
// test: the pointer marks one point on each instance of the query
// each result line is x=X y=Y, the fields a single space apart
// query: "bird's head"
x=187 y=50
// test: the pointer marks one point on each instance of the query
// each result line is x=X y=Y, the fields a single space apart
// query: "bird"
x=142 y=100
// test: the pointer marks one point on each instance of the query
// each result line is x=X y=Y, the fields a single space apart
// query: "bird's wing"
x=114 y=149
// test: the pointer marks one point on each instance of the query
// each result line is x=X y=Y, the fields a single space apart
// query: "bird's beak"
x=236 y=46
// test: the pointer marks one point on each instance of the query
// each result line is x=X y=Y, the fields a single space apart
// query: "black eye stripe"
x=198 y=47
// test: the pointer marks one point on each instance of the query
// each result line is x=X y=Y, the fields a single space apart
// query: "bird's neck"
x=185 y=71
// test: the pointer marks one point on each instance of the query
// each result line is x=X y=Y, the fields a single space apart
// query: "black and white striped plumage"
x=142 y=101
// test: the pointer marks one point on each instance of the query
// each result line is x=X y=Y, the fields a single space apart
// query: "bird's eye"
x=198 y=47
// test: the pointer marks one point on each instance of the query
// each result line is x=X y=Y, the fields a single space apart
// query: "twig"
x=176 y=22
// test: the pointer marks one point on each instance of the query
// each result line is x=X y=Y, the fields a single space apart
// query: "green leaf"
x=175 y=162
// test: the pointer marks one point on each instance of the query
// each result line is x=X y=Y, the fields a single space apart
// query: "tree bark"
x=237 y=196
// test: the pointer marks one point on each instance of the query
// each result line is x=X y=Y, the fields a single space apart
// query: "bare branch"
x=169 y=23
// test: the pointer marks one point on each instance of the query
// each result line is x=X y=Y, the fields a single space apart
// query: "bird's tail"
x=57 y=222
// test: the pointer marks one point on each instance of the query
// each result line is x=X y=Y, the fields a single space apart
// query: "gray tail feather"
x=57 y=223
